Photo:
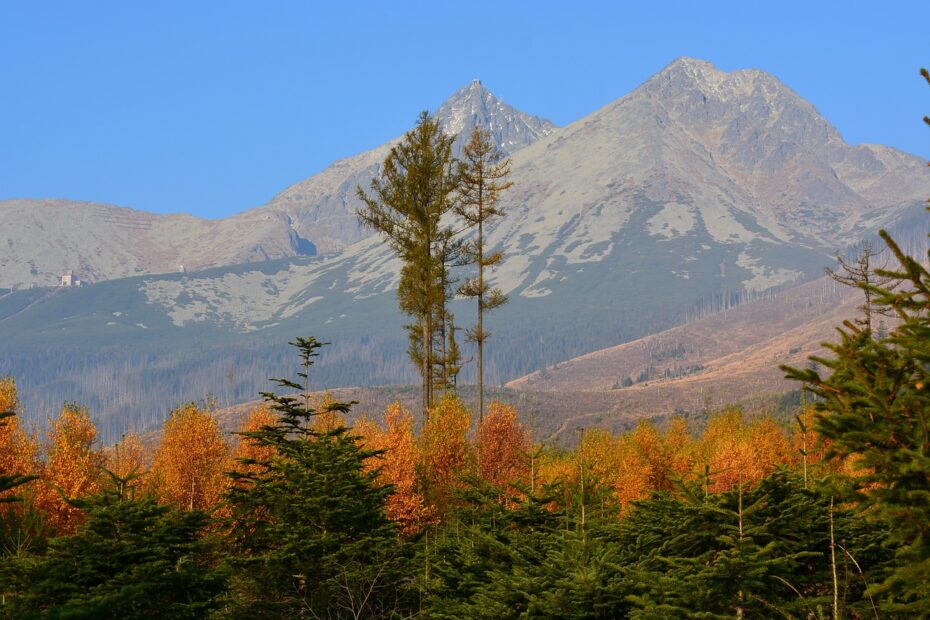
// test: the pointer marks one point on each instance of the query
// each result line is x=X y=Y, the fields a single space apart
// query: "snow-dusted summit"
x=475 y=106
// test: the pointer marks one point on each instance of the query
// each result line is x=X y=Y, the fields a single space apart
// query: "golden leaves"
x=247 y=448
x=398 y=467
x=445 y=453
x=72 y=467
x=502 y=444
x=189 y=464
x=19 y=450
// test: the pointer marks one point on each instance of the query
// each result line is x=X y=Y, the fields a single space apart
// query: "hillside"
x=723 y=358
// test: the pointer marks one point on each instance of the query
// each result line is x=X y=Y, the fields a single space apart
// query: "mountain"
x=658 y=207
x=40 y=239
x=729 y=178
x=475 y=106
x=322 y=208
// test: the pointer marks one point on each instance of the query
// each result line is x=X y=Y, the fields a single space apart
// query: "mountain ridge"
x=314 y=215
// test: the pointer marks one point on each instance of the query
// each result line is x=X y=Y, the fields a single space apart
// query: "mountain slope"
x=724 y=358
x=39 y=239
x=322 y=208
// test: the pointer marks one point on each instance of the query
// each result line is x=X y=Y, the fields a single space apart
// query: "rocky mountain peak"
x=474 y=105
x=686 y=77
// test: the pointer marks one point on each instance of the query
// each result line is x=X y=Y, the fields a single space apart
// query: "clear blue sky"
x=212 y=108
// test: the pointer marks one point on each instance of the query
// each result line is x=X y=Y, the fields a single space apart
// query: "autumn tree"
x=72 y=468
x=247 y=452
x=17 y=449
x=445 y=454
x=128 y=456
x=329 y=418
x=502 y=444
x=10 y=476
x=188 y=468
x=482 y=179
x=733 y=452
x=396 y=465
x=406 y=206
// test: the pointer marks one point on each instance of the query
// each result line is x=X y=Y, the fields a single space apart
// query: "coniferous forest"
x=450 y=512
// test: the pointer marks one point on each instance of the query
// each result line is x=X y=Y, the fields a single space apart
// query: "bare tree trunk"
x=480 y=322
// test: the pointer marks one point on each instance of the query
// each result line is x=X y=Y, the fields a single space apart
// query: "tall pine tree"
x=406 y=205
x=483 y=176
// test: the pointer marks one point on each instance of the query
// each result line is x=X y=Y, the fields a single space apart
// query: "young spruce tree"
x=131 y=558
x=310 y=535
x=874 y=407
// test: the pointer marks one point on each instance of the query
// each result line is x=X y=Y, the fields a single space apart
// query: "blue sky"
x=212 y=108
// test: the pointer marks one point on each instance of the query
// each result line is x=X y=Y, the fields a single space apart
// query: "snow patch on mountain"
x=242 y=300
x=673 y=220
x=764 y=277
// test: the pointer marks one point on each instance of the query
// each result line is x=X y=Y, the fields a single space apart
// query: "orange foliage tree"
x=248 y=449
x=328 y=419
x=19 y=450
x=397 y=465
x=502 y=444
x=733 y=452
x=445 y=454
x=189 y=466
x=128 y=456
x=72 y=468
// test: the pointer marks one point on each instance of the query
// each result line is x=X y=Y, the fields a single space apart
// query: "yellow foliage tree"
x=445 y=454
x=189 y=466
x=72 y=468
